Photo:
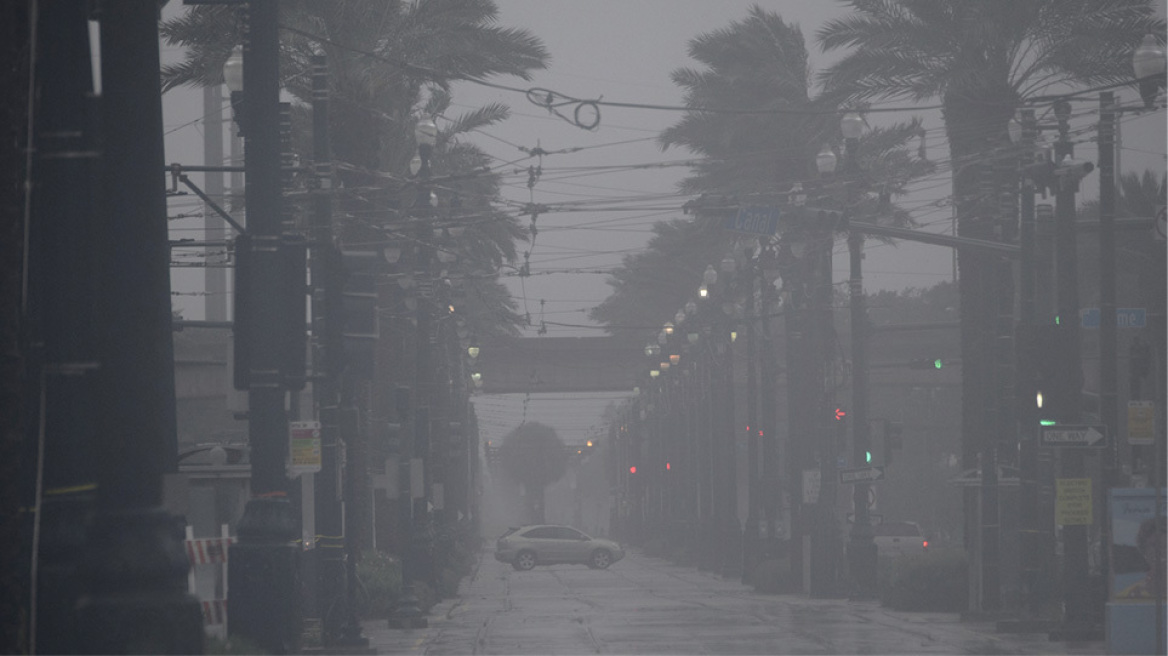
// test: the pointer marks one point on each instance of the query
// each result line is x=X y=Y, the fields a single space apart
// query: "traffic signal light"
x=840 y=414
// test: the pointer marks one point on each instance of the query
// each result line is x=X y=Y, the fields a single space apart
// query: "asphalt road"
x=645 y=605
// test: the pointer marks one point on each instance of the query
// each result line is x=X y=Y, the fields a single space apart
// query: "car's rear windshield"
x=509 y=531
x=897 y=530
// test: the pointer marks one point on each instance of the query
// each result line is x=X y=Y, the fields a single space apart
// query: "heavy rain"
x=596 y=327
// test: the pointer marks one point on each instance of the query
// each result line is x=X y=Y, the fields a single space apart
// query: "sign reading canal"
x=1074 y=436
x=861 y=475
x=758 y=221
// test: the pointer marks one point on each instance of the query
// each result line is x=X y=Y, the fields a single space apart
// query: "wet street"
x=645 y=605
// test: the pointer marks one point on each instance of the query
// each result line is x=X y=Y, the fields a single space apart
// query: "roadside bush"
x=773 y=576
x=234 y=644
x=380 y=574
x=934 y=581
x=426 y=596
x=448 y=583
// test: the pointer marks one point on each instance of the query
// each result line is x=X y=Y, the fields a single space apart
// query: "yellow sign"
x=1141 y=422
x=1072 y=506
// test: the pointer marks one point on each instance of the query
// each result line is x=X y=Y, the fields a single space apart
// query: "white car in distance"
x=899 y=539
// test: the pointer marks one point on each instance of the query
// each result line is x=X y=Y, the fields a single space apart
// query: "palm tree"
x=391 y=63
x=981 y=60
x=759 y=62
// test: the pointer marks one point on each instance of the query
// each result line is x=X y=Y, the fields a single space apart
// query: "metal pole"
x=264 y=568
x=750 y=543
x=1029 y=544
x=1073 y=466
x=1108 y=348
x=215 y=278
x=136 y=576
x=861 y=545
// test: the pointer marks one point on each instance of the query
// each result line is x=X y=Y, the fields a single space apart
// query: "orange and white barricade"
x=207 y=577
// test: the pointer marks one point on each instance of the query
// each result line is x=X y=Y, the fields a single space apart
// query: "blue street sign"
x=758 y=221
x=1124 y=317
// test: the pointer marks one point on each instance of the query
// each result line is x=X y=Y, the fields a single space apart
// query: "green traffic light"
x=1047 y=422
x=938 y=363
x=867 y=456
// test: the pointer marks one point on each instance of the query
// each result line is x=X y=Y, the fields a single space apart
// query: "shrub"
x=448 y=583
x=234 y=644
x=380 y=575
x=773 y=576
x=934 y=581
x=426 y=596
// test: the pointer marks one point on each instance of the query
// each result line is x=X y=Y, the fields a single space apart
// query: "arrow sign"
x=861 y=475
x=1074 y=436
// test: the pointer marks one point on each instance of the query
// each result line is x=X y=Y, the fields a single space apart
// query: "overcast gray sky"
x=624 y=50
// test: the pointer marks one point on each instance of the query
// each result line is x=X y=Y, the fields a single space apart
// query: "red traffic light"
x=633 y=469
x=840 y=414
x=667 y=467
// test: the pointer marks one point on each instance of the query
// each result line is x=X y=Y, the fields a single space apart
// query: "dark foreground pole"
x=263 y=571
x=135 y=569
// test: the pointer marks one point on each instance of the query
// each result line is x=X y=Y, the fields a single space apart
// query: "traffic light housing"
x=359 y=323
x=1057 y=371
x=277 y=276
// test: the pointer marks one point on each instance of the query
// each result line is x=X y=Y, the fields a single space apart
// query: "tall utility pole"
x=800 y=403
x=824 y=542
x=264 y=568
x=1076 y=613
x=861 y=547
x=1029 y=545
x=134 y=569
x=333 y=582
x=1108 y=349
x=751 y=536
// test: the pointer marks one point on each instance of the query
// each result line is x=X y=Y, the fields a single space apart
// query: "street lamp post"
x=724 y=346
x=861 y=547
x=414 y=525
x=263 y=569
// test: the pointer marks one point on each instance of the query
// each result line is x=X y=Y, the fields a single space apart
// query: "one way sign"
x=861 y=475
x=1074 y=436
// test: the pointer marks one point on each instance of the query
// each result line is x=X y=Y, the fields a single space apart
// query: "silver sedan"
x=549 y=544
